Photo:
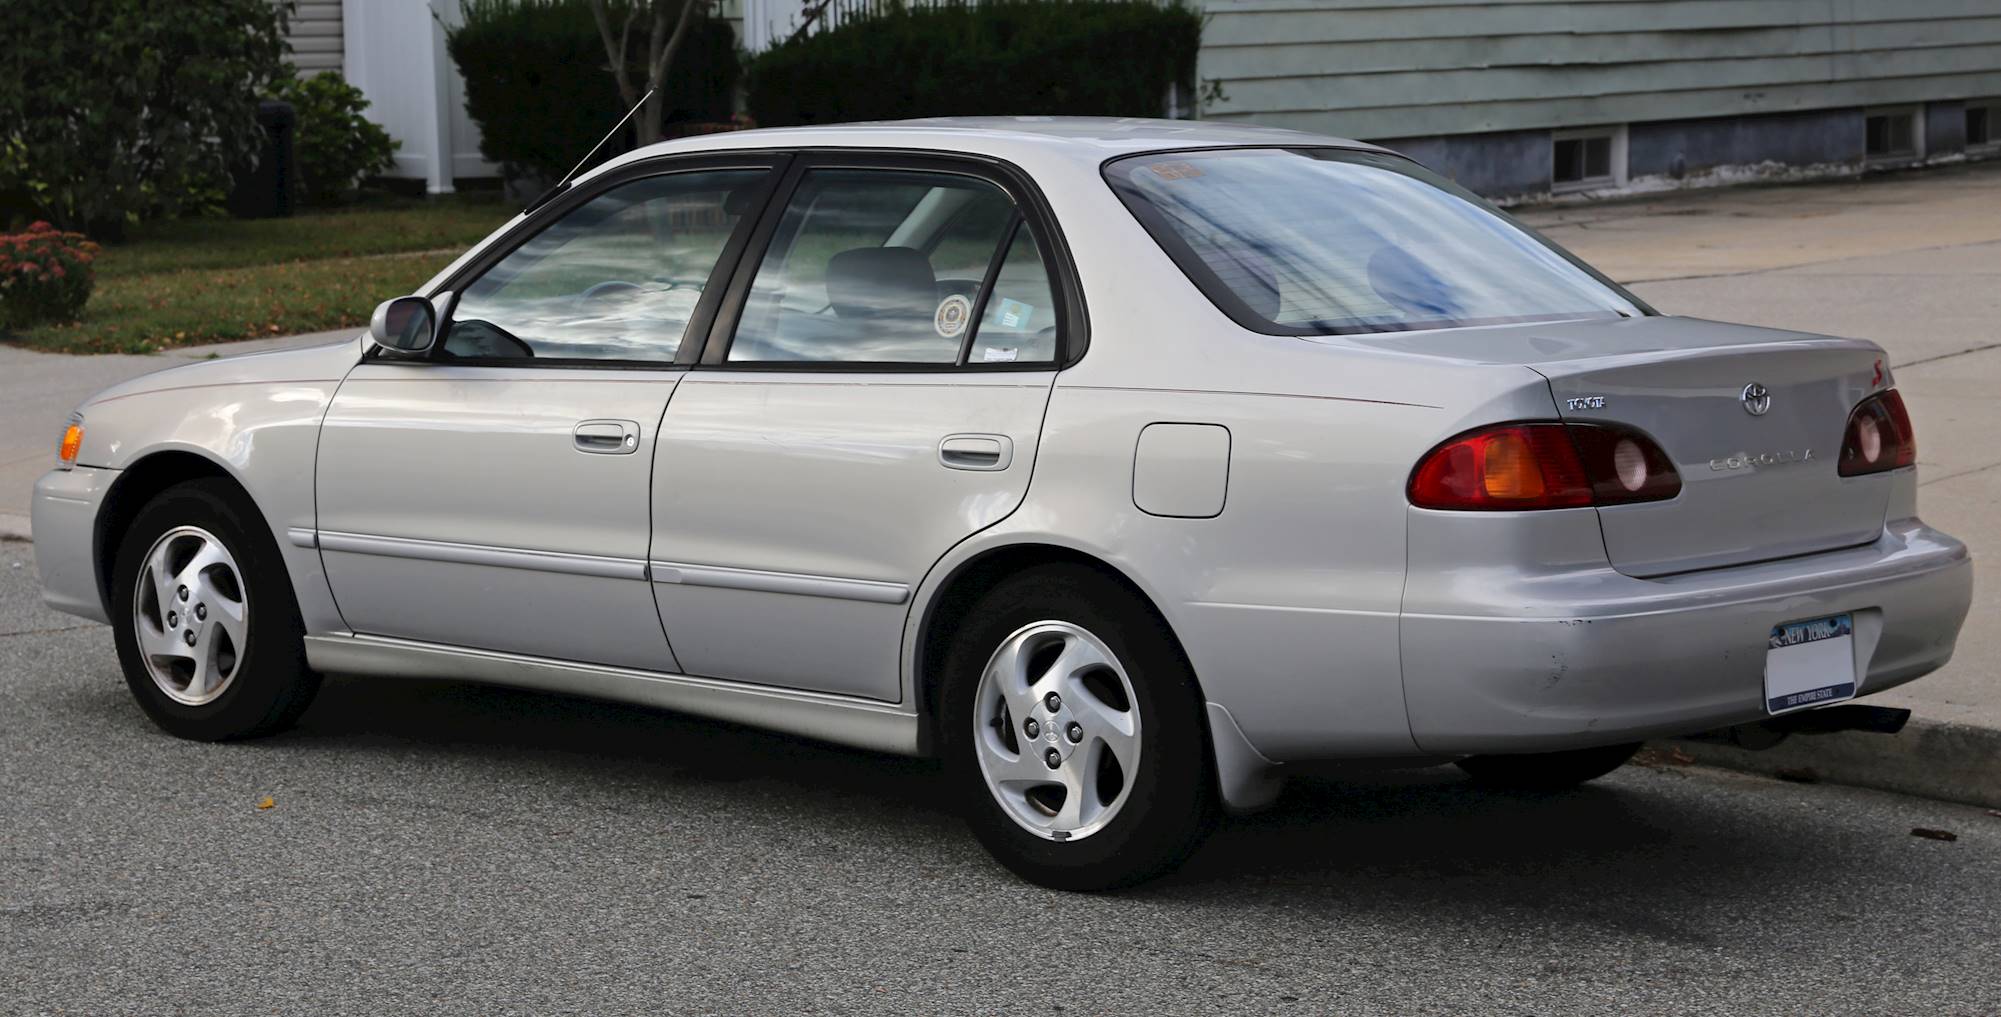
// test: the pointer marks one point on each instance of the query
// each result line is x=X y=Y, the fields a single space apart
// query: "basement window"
x=1891 y=135
x=1980 y=118
x=1587 y=159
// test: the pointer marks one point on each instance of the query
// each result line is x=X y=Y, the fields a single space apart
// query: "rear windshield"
x=1327 y=242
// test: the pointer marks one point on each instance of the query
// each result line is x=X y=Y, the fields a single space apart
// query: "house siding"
x=1704 y=83
x=314 y=35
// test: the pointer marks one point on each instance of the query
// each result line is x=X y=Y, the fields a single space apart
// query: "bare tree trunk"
x=615 y=49
x=662 y=43
x=665 y=47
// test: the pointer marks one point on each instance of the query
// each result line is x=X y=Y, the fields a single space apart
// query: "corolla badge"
x=1757 y=399
x=1746 y=460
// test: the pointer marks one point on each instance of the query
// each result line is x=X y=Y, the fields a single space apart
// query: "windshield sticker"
x=953 y=311
x=998 y=354
x=1015 y=314
x=1175 y=170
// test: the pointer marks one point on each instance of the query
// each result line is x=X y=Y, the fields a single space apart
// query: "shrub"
x=540 y=87
x=1061 y=57
x=335 y=145
x=112 y=109
x=45 y=275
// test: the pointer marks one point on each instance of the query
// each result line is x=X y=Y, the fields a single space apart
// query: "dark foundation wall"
x=1518 y=164
x=1945 y=128
x=1499 y=165
x=1679 y=148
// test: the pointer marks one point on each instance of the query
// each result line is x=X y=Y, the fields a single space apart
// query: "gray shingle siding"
x=1426 y=69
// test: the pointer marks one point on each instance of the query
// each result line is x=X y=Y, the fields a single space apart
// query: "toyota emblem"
x=1757 y=399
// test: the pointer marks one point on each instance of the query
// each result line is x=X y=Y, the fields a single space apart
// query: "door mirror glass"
x=405 y=324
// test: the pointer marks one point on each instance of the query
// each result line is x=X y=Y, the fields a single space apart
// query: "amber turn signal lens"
x=72 y=444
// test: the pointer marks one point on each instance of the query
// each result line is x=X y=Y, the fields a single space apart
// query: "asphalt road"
x=447 y=848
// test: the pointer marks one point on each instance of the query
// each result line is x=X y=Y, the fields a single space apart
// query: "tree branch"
x=615 y=51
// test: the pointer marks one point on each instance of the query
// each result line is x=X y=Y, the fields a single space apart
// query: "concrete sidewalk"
x=1912 y=261
x=38 y=390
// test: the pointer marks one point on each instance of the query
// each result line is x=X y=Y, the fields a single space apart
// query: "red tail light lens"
x=1515 y=467
x=1879 y=436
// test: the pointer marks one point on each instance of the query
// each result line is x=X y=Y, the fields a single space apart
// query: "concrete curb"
x=13 y=527
x=1931 y=759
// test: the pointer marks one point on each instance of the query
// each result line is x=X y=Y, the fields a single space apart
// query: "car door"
x=496 y=494
x=871 y=395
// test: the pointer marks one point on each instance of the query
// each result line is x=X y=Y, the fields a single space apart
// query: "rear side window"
x=872 y=266
x=1330 y=242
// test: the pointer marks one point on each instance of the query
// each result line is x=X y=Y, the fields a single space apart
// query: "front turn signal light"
x=72 y=444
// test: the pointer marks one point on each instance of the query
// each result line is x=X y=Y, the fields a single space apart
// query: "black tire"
x=1547 y=771
x=1171 y=802
x=271 y=685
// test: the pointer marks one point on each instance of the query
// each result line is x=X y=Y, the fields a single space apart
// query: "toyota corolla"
x=1122 y=464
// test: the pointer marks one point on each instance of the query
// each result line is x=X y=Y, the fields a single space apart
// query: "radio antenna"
x=564 y=184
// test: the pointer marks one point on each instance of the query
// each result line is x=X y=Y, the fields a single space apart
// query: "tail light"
x=1514 y=467
x=1879 y=436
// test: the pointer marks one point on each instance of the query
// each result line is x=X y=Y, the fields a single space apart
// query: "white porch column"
x=396 y=56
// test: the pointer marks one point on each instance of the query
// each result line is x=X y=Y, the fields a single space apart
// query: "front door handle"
x=607 y=437
x=976 y=451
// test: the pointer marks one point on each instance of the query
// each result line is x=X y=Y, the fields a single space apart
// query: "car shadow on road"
x=1643 y=851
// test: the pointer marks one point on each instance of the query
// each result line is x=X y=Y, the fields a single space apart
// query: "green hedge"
x=540 y=87
x=1065 y=57
x=115 y=109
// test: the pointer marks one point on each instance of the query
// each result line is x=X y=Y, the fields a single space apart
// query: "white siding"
x=315 y=37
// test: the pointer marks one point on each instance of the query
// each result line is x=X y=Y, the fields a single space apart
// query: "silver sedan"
x=1122 y=464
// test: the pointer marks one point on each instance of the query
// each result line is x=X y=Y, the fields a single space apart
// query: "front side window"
x=615 y=279
x=1331 y=242
x=890 y=266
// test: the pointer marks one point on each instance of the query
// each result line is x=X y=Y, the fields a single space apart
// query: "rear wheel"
x=1548 y=771
x=1073 y=730
x=207 y=628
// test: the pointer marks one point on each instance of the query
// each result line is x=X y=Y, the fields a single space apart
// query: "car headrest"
x=739 y=201
x=1247 y=273
x=874 y=282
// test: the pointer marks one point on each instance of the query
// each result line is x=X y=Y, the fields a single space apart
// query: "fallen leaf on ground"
x=1930 y=834
x=266 y=802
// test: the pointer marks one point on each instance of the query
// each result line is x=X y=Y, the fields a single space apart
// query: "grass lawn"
x=190 y=281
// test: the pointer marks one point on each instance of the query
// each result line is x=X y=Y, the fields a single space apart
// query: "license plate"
x=1810 y=663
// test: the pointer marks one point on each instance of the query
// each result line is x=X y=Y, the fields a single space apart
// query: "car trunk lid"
x=1755 y=485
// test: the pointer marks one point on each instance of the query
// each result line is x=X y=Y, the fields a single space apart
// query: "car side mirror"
x=405 y=325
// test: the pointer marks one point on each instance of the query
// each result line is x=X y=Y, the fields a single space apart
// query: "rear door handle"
x=607 y=437
x=976 y=451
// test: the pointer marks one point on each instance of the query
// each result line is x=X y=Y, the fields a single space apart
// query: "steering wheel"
x=609 y=286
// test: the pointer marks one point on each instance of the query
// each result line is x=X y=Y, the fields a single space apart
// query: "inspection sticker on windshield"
x=1810 y=663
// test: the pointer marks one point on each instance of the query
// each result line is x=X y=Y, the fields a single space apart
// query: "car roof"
x=1014 y=138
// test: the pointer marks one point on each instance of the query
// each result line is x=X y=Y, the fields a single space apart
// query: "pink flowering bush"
x=45 y=275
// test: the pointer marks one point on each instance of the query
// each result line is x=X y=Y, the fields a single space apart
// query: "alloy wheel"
x=191 y=613
x=1057 y=730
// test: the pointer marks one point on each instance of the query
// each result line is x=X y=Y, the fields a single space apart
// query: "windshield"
x=1330 y=242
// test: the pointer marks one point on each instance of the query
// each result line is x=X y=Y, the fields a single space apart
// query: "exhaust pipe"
x=1765 y=734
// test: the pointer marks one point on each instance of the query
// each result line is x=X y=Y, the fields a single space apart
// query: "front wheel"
x=1073 y=729
x=1547 y=771
x=207 y=627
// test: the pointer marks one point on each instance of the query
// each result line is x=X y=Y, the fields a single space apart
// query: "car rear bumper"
x=1588 y=656
x=64 y=520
